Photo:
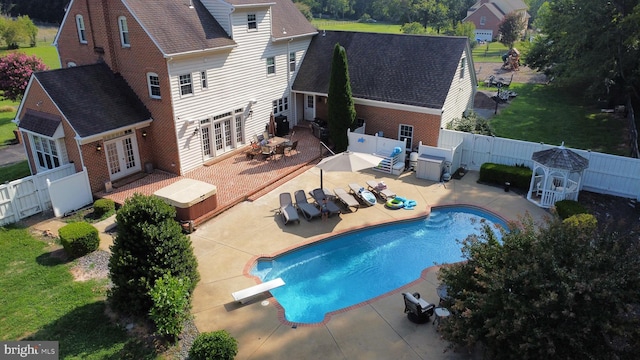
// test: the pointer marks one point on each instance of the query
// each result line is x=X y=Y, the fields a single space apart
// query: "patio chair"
x=347 y=199
x=365 y=196
x=293 y=147
x=279 y=151
x=318 y=195
x=380 y=190
x=418 y=310
x=266 y=152
x=308 y=211
x=288 y=212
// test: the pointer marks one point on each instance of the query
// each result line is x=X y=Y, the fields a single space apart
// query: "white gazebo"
x=557 y=175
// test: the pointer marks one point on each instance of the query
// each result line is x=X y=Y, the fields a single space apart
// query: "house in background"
x=173 y=84
x=487 y=15
x=404 y=86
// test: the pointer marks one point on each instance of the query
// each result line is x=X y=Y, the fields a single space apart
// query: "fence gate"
x=30 y=195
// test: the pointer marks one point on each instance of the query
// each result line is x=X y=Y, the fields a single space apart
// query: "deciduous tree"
x=511 y=29
x=15 y=72
x=341 y=108
x=563 y=290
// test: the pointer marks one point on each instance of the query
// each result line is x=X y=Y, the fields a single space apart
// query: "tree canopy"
x=563 y=290
x=15 y=72
x=590 y=43
x=341 y=108
x=511 y=29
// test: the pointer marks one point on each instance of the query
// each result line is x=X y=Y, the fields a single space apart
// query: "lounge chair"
x=347 y=199
x=309 y=211
x=288 y=212
x=318 y=195
x=380 y=190
x=418 y=310
x=365 y=196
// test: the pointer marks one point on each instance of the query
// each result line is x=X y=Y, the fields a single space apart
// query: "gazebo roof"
x=561 y=158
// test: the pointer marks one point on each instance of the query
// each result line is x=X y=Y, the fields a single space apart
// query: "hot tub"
x=192 y=198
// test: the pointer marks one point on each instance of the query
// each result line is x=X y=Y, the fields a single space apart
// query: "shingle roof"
x=403 y=69
x=176 y=28
x=287 y=16
x=561 y=158
x=39 y=122
x=93 y=99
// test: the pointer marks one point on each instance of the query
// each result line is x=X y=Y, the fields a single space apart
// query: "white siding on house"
x=460 y=96
x=220 y=11
x=234 y=79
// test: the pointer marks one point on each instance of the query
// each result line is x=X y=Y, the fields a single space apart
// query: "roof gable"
x=40 y=122
x=178 y=28
x=92 y=98
x=402 y=69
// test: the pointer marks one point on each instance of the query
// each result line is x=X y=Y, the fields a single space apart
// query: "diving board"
x=246 y=294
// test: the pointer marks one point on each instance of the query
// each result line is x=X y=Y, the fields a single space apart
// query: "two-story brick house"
x=176 y=83
x=487 y=15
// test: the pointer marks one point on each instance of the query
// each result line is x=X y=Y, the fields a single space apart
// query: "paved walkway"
x=12 y=154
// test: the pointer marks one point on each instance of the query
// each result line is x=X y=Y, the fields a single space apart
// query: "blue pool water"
x=348 y=269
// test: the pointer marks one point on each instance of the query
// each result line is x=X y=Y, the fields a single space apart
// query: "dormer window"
x=124 y=31
x=82 y=36
x=252 y=22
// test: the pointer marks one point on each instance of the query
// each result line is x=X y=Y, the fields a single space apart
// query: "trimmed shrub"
x=582 y=221
x=79 y=238
x=171 y=305
x=149 y=244
x=218 y=345
x=103 y=206
x=568 y=208
x=519 y=176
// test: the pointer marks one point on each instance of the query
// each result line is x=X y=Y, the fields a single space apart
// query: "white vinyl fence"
x=607 y=174
x=30 y=195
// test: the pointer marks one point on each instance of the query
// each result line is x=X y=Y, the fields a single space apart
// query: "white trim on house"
x=393 y=106
x=92 y=138
x=64 y=21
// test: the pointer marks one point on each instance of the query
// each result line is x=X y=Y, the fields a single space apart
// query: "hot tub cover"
x=186 y=193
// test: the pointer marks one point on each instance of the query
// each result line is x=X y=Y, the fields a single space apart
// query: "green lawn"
x=377 y=27
x=41 y=301
x=14 y=171
x=542 y=113
x=489 y=52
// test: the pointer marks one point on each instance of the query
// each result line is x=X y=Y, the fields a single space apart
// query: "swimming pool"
x=348 y=269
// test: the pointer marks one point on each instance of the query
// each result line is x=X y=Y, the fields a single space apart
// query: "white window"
x=292 y=61
x=463 y=64
x=203 y=80
x=252 y=22
x=82 y=36
x=124 y=31
x=271 y=65
x=406 y=132
x=46 y=153
x=280 y=105
x=186 y=86
x=483 y=20
x=153 y=81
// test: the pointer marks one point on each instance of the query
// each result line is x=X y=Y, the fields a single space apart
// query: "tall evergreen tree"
x=341 y=109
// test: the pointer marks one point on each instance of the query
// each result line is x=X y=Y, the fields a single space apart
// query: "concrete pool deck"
x=378 y=329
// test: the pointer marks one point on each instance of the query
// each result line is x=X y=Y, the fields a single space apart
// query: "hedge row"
x=518 y=176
